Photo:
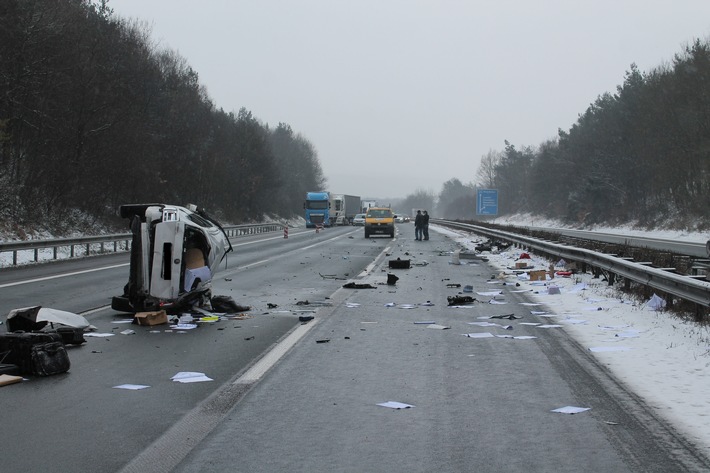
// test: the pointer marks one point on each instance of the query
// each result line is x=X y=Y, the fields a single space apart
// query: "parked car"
x=175 y=251
x=359 y=219
x=399 y=218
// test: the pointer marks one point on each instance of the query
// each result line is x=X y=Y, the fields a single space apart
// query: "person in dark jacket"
x=418 y=222
x=425 y=225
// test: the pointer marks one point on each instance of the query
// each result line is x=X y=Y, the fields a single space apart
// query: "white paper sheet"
x=395 y=405
x=570 y=409
x=190 y=377
x=479 y=335
x=132 y=387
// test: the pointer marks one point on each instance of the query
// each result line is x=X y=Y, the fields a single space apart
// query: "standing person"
x=418 y=222
x=425 y=225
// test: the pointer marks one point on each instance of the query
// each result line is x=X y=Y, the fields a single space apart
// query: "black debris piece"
x=460 y=300
x=399 y=263
x=453 y=285
x=305 y=318
x=227 y=304
x=506 y=316
x=352 y=285
x=392 y=279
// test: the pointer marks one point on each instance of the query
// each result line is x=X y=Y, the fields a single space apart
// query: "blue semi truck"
x=317 y=207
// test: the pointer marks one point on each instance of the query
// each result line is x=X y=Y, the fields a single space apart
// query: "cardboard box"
x=152 y=318
x=521 y=264
x=539 y=275
x=6 y=379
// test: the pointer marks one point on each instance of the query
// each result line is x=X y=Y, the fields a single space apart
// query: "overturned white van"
x=175 y=252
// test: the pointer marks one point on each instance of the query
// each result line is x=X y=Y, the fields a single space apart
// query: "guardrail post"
x=36 y=255
x=54 y=252
x=71 y=251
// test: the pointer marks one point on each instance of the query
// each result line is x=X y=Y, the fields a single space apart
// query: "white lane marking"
x=93 y=311
x=47 y=278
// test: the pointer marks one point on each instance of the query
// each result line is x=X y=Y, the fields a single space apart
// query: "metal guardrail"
x=83 y=246
x=684 y=287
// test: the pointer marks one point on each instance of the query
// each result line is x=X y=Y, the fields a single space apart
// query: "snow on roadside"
x=661 y=358
x=525 y=220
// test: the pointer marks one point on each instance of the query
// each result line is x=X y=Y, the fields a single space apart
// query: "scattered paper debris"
x=190 y=377
x=395 y=405
x=438 y=327
x=489 y=293
x=479 y=335
x=570 y=410
x=131 y=387
x=184 y=326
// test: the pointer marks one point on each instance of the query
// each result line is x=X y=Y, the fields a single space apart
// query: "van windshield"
x=379 y=213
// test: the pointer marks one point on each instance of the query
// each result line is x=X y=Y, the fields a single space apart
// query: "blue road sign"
x=487 y=202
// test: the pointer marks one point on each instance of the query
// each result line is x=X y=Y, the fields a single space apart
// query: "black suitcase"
x=35 y=353
x=6 y=368
x=71 y=335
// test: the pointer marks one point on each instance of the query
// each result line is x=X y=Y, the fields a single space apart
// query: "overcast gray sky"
x=403 y=95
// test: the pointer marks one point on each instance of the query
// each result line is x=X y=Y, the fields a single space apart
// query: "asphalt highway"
x=297 y=396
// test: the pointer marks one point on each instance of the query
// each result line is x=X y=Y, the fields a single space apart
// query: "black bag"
x=50 y=358
x=35 y=353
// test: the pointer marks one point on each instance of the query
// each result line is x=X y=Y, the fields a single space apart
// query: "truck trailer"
x=366 y=204
x=344 y=208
